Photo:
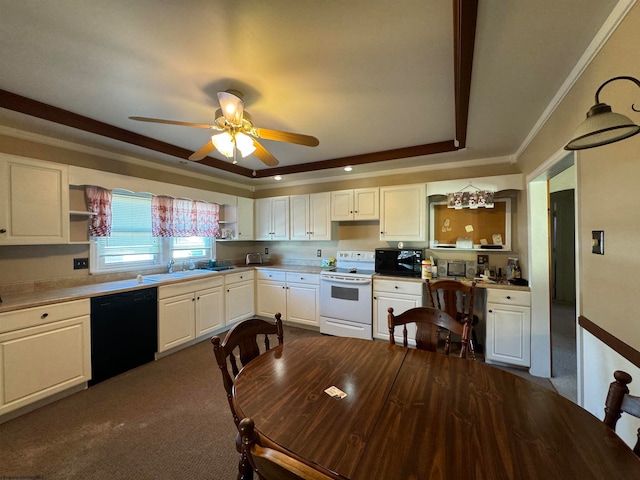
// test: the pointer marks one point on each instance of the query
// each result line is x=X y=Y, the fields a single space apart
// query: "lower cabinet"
x=508 y=319
x=401 y=295
x=189 y=310
x=295 y=295
x=240 y=293
x=303 y=298
x=43 y=351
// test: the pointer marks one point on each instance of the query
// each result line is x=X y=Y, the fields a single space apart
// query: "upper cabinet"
x=272 y=218
x=245 y=219
x=309 y=216
x=34 y=202
x=403 y=213
x=236 y=220
x=358 y=204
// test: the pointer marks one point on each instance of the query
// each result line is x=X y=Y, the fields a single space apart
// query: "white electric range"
x=345 y=295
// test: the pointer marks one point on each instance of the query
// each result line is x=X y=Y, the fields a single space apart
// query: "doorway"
x=563 y=284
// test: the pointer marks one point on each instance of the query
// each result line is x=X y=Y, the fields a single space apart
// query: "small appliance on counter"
x=399 y=262
x=253 y=259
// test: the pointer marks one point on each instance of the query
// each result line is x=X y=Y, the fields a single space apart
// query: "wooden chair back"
x=275 y=464
x=429 y=321
x=452 y=296
x=243 y=339
x=455 y=298
x=619 y=400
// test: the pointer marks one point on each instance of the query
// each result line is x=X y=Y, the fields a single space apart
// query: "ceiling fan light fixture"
x=245 y=144
x=223 y=143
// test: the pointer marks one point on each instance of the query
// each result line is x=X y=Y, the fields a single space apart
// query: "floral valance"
x=181 y=217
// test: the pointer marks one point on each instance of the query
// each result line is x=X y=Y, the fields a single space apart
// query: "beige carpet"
x=168 y=419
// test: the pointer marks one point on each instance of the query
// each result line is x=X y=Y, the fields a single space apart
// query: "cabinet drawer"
x=270 y=275
x=398 y=286
x=508 y=297
x=181 y=288
x=308 y=278
x=31 y=317
x=239 y=277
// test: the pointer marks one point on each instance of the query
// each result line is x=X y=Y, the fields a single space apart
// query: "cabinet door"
x=209 y=310
x=263 y=214
x=342 y=205
x=239 y=301
x=402 y=213
x=299 y=217
x=280 y=222
x=176 y=321
x=40 y=361
x=319 y=219
x=34 y=202
x=400 y=303
x=245 y=219
x=303 y=303
x=508 y=334
x=271 y=299
x=366 y=204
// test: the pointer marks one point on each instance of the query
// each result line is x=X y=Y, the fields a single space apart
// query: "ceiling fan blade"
x=288 y=137
x=171 y=122
x=203 y=152
x=232 y=107
x=264 y=155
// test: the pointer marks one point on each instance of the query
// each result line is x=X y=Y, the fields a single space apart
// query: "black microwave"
x=400 y=262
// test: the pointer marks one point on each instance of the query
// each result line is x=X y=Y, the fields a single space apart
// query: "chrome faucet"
x=170 y=266
x=184 y=265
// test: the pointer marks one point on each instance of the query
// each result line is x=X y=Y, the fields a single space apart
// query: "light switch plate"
x=597 y=242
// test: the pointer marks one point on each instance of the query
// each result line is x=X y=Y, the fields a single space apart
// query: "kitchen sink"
x=159 y=277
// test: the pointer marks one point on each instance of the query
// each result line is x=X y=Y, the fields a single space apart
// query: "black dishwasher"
x=124 y=332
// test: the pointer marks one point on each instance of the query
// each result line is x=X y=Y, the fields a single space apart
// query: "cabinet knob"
x=508 y=297
x=381 y=233
x=3 y=230
x=490 y=311
x=396 y=287
x=44 y=315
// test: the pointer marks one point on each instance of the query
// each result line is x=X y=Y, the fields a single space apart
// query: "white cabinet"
x=239 y=298
x=303 y=298
x=271 y=294
x=508 y=327
x=403 y=213
x=189 y=310
x=245 y=219
x=295 y=295
x=34 y=202
x=272 y=218
x=43 y=351
x=401 y=295
x=358 y=204
x=309 y=216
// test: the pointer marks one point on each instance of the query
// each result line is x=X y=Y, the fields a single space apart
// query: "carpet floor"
x=168 y=419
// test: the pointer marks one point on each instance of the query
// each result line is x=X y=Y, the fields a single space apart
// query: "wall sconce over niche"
x=603 y=126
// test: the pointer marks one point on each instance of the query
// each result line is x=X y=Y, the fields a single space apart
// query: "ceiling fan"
x=238 y=132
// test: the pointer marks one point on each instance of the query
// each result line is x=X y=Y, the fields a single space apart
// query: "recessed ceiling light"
x=348 y=168
x=277 y=177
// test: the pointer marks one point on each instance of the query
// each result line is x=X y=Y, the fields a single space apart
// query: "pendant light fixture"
x=603 y=126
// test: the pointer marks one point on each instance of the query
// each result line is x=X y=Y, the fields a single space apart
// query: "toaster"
x=253 y=258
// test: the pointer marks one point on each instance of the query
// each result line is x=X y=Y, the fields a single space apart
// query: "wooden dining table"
x=411 y=414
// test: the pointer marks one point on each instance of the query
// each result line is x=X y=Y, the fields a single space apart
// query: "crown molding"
x=610 y=25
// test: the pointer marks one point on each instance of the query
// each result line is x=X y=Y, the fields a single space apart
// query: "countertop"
x=479 y=284
x=12 y=302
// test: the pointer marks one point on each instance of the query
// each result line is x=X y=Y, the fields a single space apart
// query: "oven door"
x=346 y=298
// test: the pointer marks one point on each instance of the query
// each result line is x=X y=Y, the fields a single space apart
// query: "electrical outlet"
x=80 y=263
x=318 y=253
x=266 y=250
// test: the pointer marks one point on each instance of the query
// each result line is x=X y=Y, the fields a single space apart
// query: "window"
x=131 y=245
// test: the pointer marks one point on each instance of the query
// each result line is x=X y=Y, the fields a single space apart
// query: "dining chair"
x=429 y=321
x=275 y=464
x=243 y=339
x=456 y=298
x=620 y=400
